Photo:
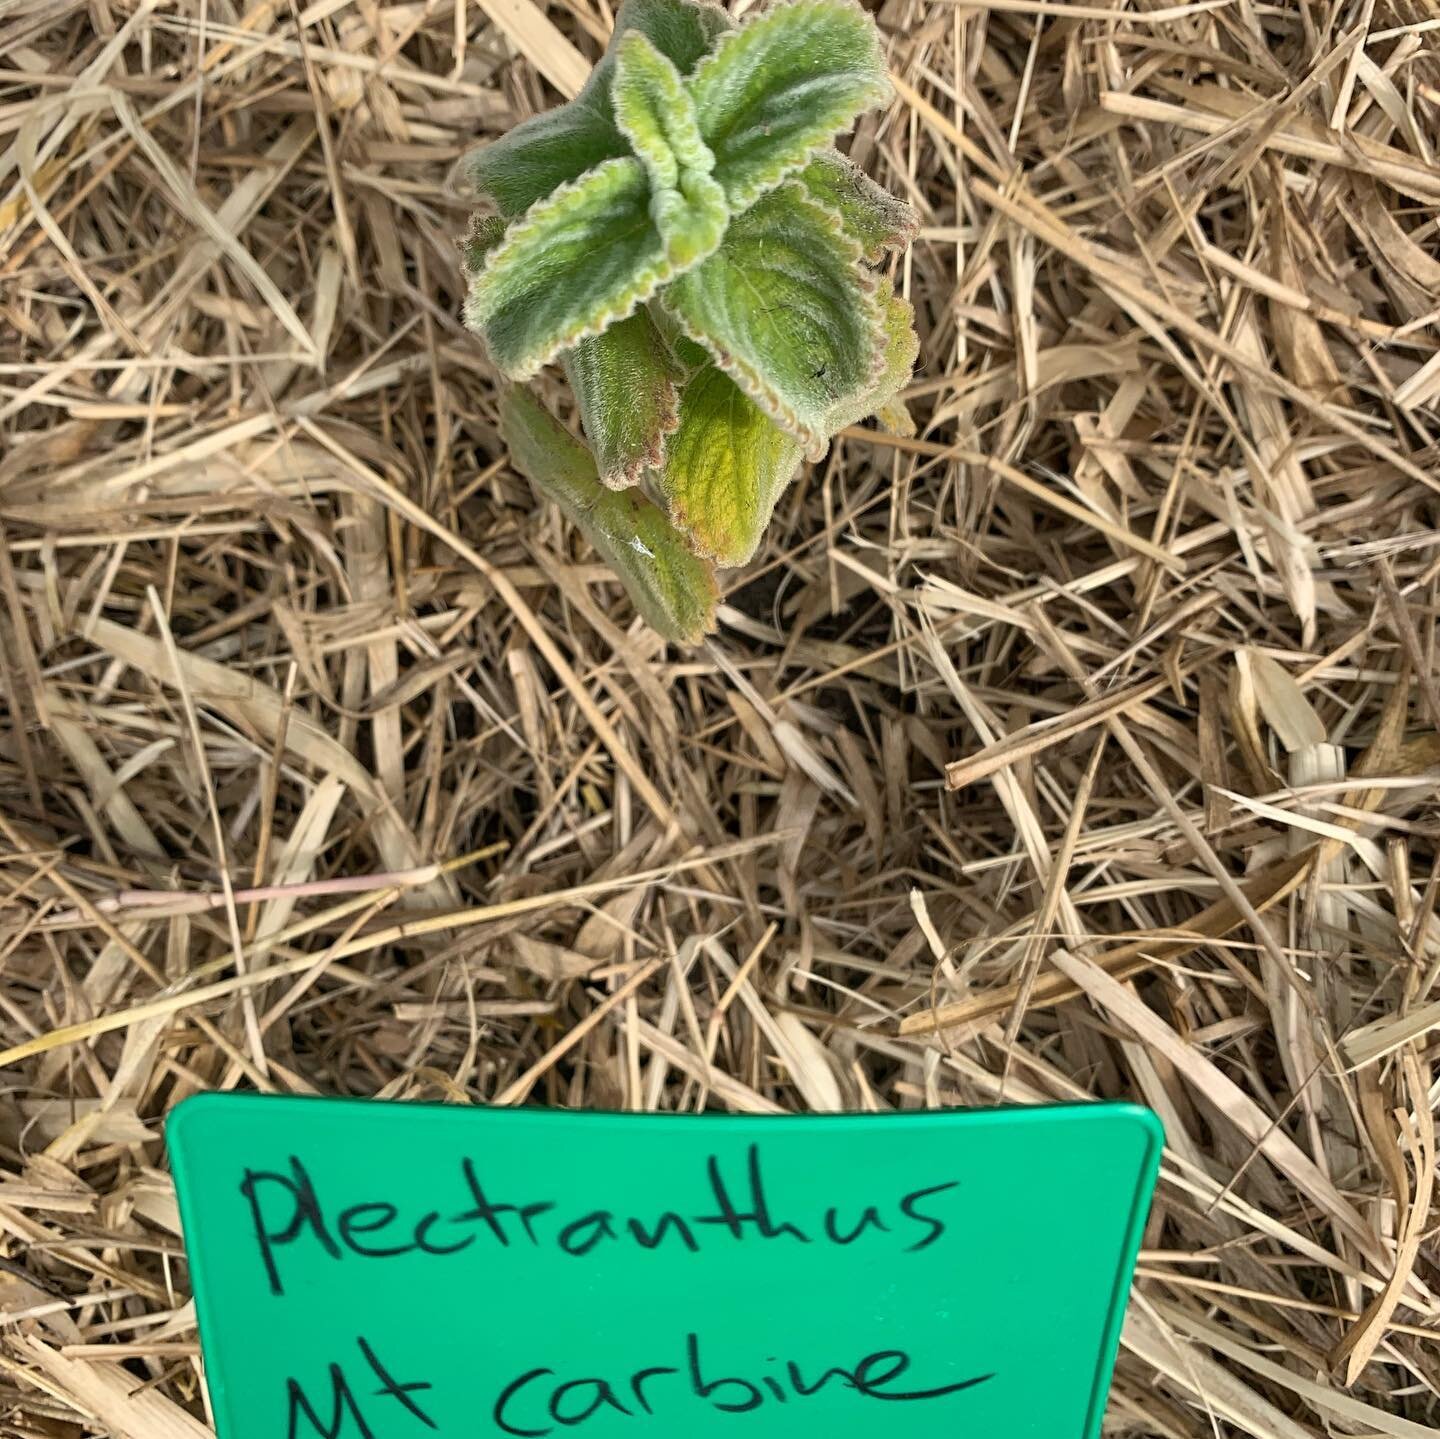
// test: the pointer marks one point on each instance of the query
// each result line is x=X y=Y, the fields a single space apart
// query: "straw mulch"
x=1084 y=746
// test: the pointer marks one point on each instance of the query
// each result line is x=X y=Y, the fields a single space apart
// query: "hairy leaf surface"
x=902 y=346
x=671 y=587
x=781 y=86
x=872 y=216
x=655 y=113
x=627 y=384
x=684 y=31
x=786 y=309
x=578 y=261
x=541 y=154
x=690 y=356
x=726 y=467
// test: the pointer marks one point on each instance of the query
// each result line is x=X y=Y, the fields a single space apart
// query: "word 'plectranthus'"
x=686 y=241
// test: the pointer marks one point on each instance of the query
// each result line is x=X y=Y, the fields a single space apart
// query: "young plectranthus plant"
x=686 y=241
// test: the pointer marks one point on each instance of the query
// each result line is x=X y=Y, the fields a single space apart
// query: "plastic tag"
x=372 y=1270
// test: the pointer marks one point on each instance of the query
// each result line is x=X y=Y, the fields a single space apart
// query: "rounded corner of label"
x=191 y=1111
x=1150 y=1122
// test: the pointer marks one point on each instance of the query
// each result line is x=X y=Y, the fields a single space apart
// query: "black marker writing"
x=304 y=1209
x=600 y=1396
x=288 y=1209
x=705 y=1389
x=534 y=1404
x=637 y=1383
x=401 y=1392
x=667 y=1222
x=832 y=1231
x=361 y=1219
x=491 y=1213
x=341 y=1399
x=581 y=1236
x=343 y=1402
x=907 y=1207
x=759 y=1212
x=510 y=1392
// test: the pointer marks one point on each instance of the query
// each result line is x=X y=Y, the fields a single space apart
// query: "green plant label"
x=369 y=1270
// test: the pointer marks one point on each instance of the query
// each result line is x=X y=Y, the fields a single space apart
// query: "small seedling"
x=685 y=240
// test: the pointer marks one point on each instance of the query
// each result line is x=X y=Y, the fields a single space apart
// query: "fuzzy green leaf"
x=577 y=262
x=871 y=215
x=627 y=384
x=539 y=156
x=535 y=158
x=691 y=218
x=684 y=31
x=902 y=346
x=672 y=588
x=787 y=310
x=725 y=468
x=785 y=83
x=654 y=111
x=690 y=356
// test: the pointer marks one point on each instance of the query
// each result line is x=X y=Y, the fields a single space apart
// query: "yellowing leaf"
x=627 y=384
x=725 y=468
x=671 y=587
